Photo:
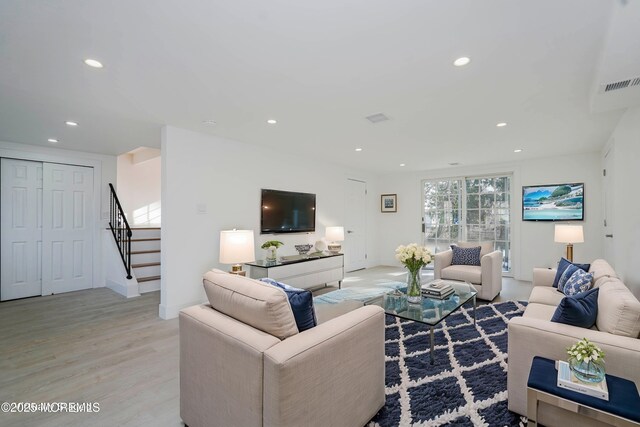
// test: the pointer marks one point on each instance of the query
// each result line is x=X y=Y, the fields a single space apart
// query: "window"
x=473 y=209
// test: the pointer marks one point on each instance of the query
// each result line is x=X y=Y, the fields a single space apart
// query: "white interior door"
x=607 y=195
x=20 y=229
x=355 y=244
x=67 y=239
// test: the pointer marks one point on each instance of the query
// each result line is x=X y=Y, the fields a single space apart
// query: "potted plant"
x=272 y=246
x=413 y=257
x=586 y=361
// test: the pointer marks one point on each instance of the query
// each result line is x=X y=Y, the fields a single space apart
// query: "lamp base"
x=334 y=248
x=570 y=252
x=237 y=269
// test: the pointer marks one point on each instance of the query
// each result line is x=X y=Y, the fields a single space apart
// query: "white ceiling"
x=318 y=68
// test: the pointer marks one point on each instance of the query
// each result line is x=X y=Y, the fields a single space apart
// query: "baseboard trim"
x=129 y=290
x=171 y=312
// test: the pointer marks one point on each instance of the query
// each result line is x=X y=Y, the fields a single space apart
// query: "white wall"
x=626 y=209
x=226 y=177
x=104 y=173
x=139 y=190
x=532 y=242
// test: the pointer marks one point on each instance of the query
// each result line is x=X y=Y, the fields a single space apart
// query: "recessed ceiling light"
x=358 y=149
x=272 y=121
x=501 y=124
x=402 y=164
x=70 y=123
x=209 y=122
x=93 y=63
x=52 y=140
x=461 y=61
x=518 y=150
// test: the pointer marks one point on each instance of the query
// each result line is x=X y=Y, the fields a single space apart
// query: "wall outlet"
x=201 y=208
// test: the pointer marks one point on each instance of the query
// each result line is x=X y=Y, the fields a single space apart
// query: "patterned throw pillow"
x=563 y=265
x=580 y=281
x=565 y=276
x=465 y=256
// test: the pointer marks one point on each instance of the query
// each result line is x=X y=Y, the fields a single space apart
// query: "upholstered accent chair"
x=486 y=277
x=244 y=363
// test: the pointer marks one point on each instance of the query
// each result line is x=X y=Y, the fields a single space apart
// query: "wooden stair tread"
x=148 y=279
x=145 y=264
x=150 y=251
x=145 y=240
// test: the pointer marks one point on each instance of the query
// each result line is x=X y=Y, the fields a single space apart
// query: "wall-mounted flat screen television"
x=559 y=202
x=287 y=212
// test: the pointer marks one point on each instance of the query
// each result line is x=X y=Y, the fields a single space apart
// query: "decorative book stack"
x=438 y=289
x=567 y=380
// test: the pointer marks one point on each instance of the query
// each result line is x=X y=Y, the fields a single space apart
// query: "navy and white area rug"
x=467 y=385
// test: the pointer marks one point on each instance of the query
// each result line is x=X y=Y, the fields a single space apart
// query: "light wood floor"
x=90 y=346
x=96 y=346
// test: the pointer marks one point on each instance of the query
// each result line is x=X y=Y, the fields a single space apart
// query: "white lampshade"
x=568 y=234
x=236 y=246
x=335 y=234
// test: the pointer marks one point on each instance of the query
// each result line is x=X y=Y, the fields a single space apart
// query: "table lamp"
x=569 y=234
x=335 y=235
x=236 y=247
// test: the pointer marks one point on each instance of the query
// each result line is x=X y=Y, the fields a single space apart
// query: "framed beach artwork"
x=389 y=203
x=557 y=202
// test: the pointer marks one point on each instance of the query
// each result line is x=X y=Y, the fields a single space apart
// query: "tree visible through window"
x=473 y=209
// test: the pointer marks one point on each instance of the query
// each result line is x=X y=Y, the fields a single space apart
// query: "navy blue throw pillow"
x=562 y=266
x=578 y=310
x=301 y=302
x=465 y=256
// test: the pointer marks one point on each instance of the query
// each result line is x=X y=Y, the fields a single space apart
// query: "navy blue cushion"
x=562 y=266
x=624 y=399
x=465 y=256
x=301 y=302
x=578 y=310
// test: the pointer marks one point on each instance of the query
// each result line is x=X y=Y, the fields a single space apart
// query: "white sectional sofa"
x=616 y=331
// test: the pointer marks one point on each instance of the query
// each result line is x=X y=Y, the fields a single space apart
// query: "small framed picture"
x=389 y=203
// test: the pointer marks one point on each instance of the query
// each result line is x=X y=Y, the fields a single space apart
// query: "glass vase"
x=272 y=254
x=414 y=287
x=588 y=372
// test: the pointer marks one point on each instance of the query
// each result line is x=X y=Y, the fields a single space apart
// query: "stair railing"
x=120 y=229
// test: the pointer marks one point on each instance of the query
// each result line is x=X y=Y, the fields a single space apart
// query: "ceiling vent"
x=377 y=118
x=622 y=84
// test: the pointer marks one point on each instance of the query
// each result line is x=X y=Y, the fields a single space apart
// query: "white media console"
x=302 y=272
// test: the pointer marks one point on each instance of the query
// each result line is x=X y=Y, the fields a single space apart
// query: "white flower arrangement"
x=412 y=256
x=586 y=351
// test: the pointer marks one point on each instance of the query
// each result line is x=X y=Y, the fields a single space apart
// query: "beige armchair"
x=486 y=278
x=244 y=363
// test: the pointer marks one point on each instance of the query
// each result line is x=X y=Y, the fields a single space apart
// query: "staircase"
x=145 y=258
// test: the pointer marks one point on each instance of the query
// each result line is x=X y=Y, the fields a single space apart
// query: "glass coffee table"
x=430 y=311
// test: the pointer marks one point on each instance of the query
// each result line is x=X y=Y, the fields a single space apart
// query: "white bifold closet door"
x=67 y=228
x=20 y=229
x=47 y=228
